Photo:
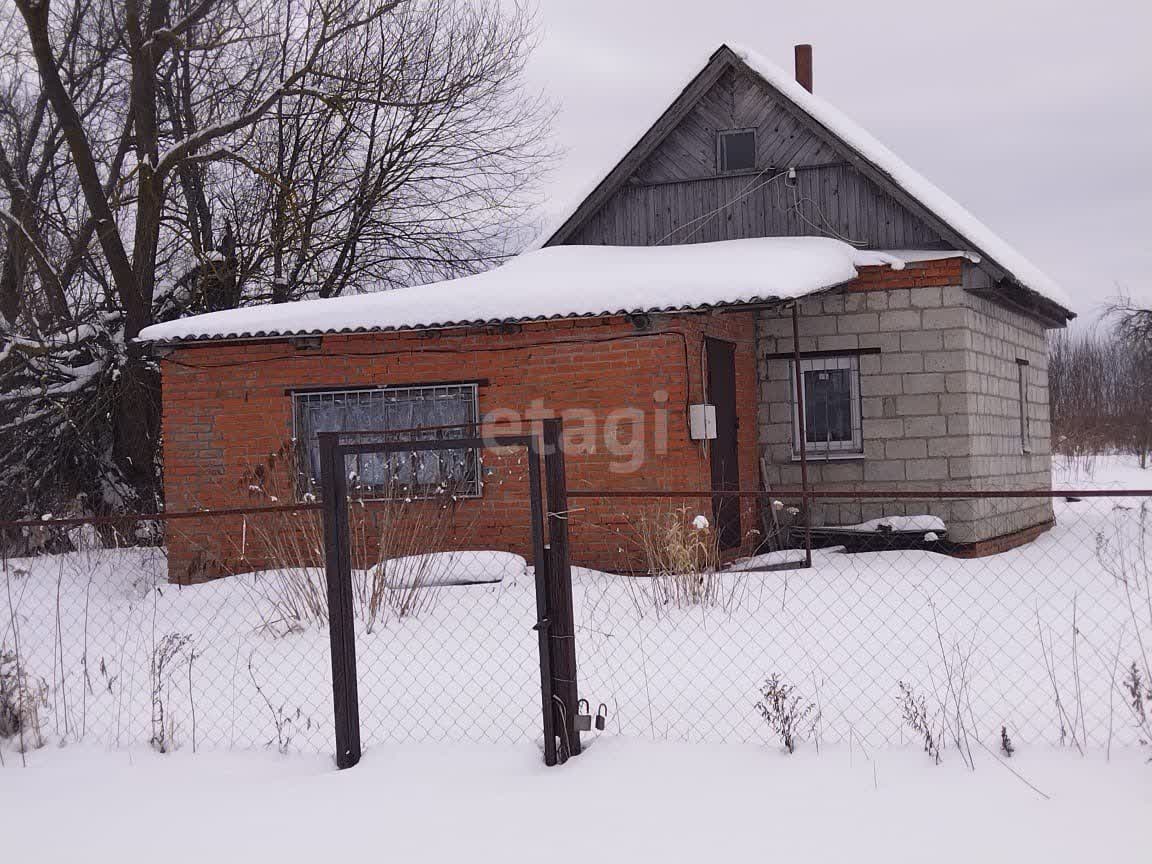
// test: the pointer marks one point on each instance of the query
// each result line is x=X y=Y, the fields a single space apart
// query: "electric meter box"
x=702 y=422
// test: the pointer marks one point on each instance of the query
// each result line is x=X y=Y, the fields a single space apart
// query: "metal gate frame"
x=550 y=564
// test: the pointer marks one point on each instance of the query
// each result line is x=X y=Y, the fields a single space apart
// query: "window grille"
x=831 y=405
x=434 y=412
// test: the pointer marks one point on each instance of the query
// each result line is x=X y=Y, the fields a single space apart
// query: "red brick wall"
x=227 y=418
x=919 y=274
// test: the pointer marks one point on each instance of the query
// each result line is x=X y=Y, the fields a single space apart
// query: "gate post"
x=338 y=575
x=562 y=631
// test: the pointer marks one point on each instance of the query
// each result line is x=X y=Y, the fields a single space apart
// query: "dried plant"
x=1006 y=745
x=22 y=696
x=785 y=711
x=914 y=709
x=172 y=646
x=282 y=719
x=682 y=554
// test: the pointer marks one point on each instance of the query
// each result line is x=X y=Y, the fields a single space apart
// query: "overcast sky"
x=1035 y=116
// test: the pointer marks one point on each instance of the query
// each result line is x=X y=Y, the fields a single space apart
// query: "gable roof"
x=1019 y=279
x=559 y=282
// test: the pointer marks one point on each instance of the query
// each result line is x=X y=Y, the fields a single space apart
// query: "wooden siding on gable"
x=736 y=101
x=833 y=201
x=676 y=195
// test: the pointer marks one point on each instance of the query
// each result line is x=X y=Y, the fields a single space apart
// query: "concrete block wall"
x=999 y=338
x=939 y=400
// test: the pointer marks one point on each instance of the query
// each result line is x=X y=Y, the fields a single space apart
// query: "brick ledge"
x=997 y=545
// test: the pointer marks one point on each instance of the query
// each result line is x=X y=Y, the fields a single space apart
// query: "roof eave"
x=275 y=336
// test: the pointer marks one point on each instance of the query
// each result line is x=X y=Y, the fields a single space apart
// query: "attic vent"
x=737 y=150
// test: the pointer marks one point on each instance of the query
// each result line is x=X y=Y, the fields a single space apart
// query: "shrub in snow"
x=785 y=711
x=21 y=698
x=916 y=718
x=1006 y=746
x=164 y=656
x=1139 y=693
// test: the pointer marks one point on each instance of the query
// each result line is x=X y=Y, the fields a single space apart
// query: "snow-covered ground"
x=1100 y=472
x=623 y=800
x=450 y=712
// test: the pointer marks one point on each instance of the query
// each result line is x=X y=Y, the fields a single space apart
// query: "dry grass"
x=401 y=539
x=395 y=542
x=682 y=553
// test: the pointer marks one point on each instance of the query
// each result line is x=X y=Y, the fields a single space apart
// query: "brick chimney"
x=804 y=66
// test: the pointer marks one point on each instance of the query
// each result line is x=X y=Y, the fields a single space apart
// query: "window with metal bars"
x=433 y=412
x=831 y=423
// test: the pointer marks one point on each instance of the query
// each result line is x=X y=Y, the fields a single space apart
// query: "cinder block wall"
x=998 y=337
x=939 y=402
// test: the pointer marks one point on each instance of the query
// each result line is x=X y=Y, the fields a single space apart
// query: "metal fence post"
x=543 y=626
x=338 y=574
x=563 y=629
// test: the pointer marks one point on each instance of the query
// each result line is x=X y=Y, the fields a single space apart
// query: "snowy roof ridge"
x=560 y=282
x=942 y=205
x=983 y=240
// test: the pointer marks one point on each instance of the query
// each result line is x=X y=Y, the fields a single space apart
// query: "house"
x=747 y=208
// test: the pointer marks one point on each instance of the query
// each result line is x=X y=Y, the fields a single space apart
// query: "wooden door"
x=723 y=450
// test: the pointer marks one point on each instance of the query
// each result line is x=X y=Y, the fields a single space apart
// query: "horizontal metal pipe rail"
x=917 y=494
x=782 y=492
x=169 y=516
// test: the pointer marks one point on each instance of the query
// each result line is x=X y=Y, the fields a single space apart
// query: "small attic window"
x=737 y=150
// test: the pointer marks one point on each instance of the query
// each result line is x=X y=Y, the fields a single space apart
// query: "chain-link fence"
x=1049 y=640
x=892 y=630
x=209 y=630
x=99 y=645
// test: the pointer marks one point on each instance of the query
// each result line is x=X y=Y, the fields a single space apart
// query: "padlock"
x=583 y=721
x=601 y=716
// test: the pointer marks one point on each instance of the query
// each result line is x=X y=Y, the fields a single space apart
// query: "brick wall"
x=228 y=425
x=939 y=401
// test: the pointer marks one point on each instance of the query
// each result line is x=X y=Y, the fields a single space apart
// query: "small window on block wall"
x=1022 y=380
x=737 y=150
x=831 y=423
x=438 y=412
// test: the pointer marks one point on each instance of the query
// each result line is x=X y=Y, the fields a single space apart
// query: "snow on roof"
x=560 y=282
x=943 y=206
x=914 y=183
x=913 y=256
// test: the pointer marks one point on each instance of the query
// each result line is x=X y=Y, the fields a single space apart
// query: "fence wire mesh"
x=106 y=649
x=1049 y=640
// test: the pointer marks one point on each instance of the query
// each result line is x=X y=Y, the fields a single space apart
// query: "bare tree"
x=1101 y=387
x=165 y=157
x=1134 y=329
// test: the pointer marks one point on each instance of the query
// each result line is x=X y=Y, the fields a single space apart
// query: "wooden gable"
x=669 y=189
